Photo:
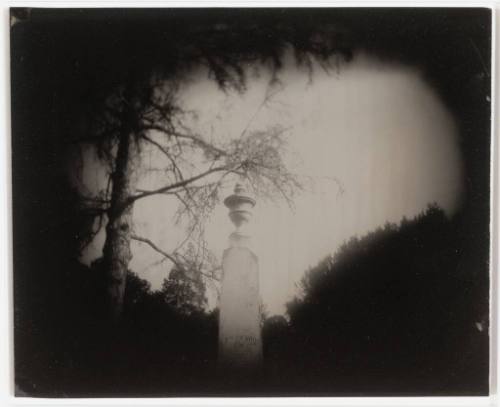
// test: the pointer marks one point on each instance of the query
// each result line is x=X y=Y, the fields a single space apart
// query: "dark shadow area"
x=392 y=313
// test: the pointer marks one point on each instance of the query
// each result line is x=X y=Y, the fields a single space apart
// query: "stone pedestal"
x=240 y=343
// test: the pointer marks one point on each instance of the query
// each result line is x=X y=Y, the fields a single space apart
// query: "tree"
x=182 y=292
x=195 y=170
x=141 y=108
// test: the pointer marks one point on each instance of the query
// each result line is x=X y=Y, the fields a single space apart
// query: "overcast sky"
x=374 y=138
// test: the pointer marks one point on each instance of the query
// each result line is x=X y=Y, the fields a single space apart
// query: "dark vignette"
x=61 y=59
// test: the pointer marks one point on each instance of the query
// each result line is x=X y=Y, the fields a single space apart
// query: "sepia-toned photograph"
x=250 y=202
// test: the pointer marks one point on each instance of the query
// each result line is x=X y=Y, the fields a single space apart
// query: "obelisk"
x=240 y=342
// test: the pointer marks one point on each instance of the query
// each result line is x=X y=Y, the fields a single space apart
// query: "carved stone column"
x=240 y=342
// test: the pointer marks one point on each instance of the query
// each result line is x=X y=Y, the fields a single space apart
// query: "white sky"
x=376 y=129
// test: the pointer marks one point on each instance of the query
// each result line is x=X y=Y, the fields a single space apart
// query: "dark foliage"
x=390 y=313
x=156 y=349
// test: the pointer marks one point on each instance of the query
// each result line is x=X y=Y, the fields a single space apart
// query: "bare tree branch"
x=156 y=248
x=176 y=170
x=179 y=184
x=171 y=257
x=195 y=139
x=267 y=97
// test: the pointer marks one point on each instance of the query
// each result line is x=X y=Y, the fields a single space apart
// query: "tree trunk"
x=116 y=251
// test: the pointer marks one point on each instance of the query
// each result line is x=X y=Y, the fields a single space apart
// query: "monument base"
x=240 y=341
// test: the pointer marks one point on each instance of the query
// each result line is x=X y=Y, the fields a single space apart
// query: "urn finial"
x=240 y=205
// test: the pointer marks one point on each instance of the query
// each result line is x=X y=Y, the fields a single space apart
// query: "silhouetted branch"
x=176 y=184
x=195 y=139
x=267 y=97
x=156 y=248
x=173 y=258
